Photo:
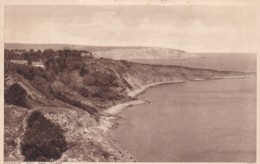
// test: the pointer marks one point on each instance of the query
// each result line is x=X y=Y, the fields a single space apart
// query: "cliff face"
x=143 y=53
x=74 y=93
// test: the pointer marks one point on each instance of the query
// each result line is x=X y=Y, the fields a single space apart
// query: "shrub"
x=42 y=140
x=17 y=95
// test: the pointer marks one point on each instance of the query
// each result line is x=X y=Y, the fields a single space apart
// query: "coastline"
x=135 y=131
x=108 y=122
x=136 y=92
x=139 y=91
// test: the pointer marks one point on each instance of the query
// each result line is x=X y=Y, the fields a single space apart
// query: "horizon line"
x=126 y=46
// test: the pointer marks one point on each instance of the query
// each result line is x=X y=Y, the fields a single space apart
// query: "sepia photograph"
x=130 y=83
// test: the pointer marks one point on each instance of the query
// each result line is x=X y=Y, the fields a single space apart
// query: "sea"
x=202 y=121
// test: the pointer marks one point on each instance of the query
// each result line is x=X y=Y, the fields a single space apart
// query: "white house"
x=86 y=55
x=38 y=64
x=19 y=61
x=25 y=62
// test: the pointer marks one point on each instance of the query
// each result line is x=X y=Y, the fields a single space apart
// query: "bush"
x=17 y=95
x=42 y=140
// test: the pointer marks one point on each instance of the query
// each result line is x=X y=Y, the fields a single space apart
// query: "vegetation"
x=38 y=55
x=42 y=140
x=16 y=95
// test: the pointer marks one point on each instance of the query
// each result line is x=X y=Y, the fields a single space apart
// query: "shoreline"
x=136 y=92
x=108 y=121
x=139 y=91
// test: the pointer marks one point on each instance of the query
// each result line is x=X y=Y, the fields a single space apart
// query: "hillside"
x=76 y=95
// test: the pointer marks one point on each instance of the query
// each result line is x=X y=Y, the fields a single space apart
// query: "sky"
x=189 y=28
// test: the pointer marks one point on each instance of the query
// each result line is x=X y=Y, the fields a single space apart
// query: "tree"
x=66 y=54
x=27 y=56
x=49 y=53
